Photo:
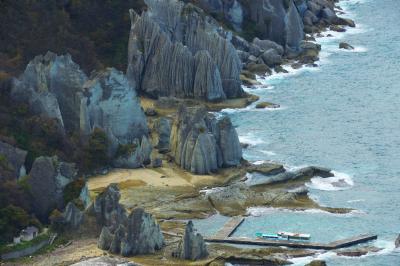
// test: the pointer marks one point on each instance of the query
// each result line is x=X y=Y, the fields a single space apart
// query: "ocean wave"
x=341 y=181
x=251 y=139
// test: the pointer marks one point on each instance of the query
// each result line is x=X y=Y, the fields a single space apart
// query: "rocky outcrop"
x=192 y=245
x=140 y=235
x=346 y=46
x=109 y=101
x=137 y=157
x=397 y=242
x=55 y=87
x=317 y=263
x=130 y=235
x=202 y=144
x=73 y=217
x=47 y=181
x=13 y=159
x=174 y=50
x=107 y=209
x=49 y=84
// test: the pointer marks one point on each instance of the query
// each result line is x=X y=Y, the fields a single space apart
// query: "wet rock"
x=163 y=128
x=47 y=180
x=192 y=245
x=109 y=102
x=280 y=69
x=202 y=144
x=271 y=58
x=328 y=14
x=346 y=46
x=107 y=209
x=13 y=159
x=337 y=28
x=259 y=69
x=73 y=217
x=49 y=85
x=345 y=22
x=264 y=105
x=266 y=168
x=358 y=252
x=397 y=242
x=316 y=263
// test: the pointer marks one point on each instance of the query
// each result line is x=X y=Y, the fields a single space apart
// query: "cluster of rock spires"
x=133 y=234
x=176 y=51
x=202 y=144
x=55 y=87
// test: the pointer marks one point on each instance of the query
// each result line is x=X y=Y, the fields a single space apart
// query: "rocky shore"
x=186 y=59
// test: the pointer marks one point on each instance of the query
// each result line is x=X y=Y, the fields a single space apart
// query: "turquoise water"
x=343 y=115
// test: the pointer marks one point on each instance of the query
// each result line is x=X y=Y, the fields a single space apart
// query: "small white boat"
x=297 y=236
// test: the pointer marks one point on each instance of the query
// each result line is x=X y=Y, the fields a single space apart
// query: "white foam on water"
x=208 y=191
x=262 y=211
x=341 y=181
x=271 y=153
x=356 y=200
x=251 y=139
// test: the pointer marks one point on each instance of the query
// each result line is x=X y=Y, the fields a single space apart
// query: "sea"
x=343 y=115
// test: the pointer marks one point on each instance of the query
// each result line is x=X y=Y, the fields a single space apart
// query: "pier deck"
x=229 y=228
x=224 y=236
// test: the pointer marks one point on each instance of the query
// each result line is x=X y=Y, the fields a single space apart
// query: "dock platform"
x=224 y=236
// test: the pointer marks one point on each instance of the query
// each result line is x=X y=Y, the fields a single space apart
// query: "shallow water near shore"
x=343 y=115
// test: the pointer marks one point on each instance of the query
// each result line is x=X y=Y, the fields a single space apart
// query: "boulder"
x=346 y=46
x=109 y=102
x=337 y=28
x=49 y=85
x=192 y=245
x=267 y=45
x=73 y=217
x=47 y=180
x=202 y=144
x=316 y=263
x=271 y=58
x=12 y=159
x=156 y=163
x=345 y=22
x=107 y=209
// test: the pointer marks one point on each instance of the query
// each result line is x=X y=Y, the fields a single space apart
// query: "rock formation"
x=192 y=245
x=130 y=235
x=107 y=209
x=109 y=102
x=202 y=144
x=72 y=216
x=47 y=180
x=175 y=50
x=49 y=84
x=137 y=157
x=13 y=159
x=397 y=242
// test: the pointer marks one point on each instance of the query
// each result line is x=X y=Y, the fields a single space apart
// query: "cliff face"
x=175 y=50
